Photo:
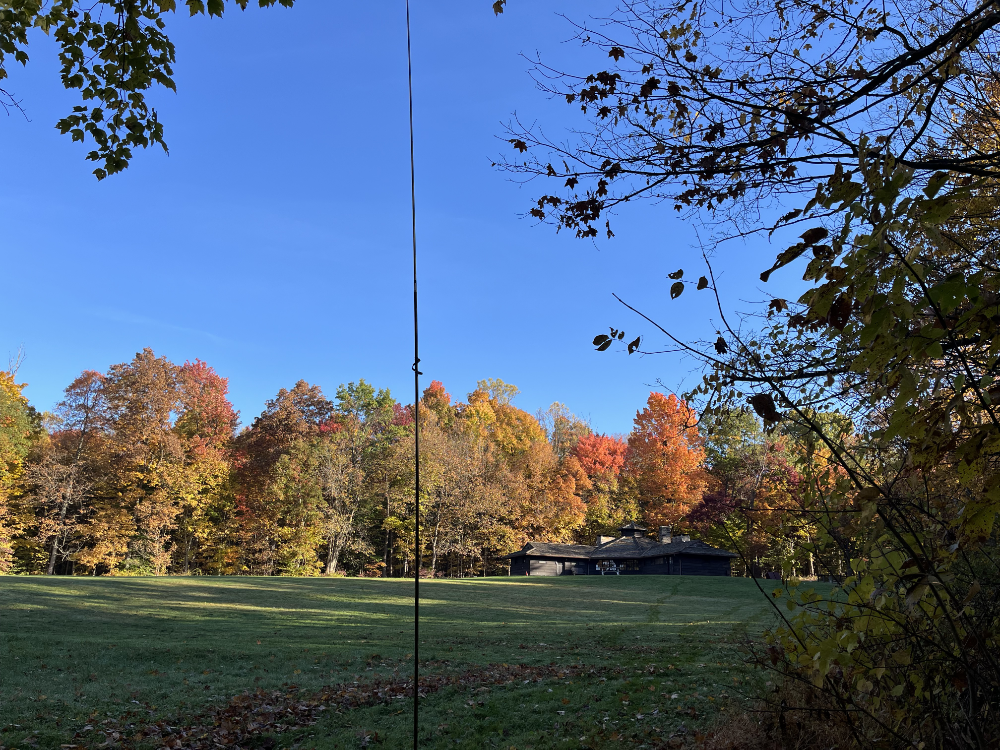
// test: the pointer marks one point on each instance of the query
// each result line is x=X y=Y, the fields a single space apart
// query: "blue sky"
x=273 y=241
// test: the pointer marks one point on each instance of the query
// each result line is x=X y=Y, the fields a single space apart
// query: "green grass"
x=75 y=652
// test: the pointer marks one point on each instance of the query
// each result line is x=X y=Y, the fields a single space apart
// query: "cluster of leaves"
x=113 y=52
x=603 y=342
x=755 y=502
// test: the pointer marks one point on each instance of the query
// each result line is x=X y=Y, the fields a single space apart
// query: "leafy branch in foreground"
x=876 y=124
x=113 y=52
x=900 y=332
x=743 y=105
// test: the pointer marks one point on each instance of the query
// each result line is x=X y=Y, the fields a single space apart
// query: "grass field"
x=573 y=662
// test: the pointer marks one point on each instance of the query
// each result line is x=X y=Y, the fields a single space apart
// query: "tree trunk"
x=331 y=564
x=434 y=545
x=339 y=540
x=334 y=556
x=188 y=543
x=386 y=547
x=63 y=509
x=51 y=568
x=392 y=554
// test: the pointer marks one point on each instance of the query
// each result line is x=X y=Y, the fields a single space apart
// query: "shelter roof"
x=544 y=549
x=622 y=548
x=631 y=526
x=632 y=548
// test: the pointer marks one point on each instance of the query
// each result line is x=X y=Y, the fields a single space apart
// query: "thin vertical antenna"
x=416 y=406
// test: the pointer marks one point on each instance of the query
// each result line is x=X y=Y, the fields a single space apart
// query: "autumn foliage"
x=601 y=456
x=144 y=469
x=665 y=457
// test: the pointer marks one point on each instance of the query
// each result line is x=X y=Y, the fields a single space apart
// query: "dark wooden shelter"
x=630 y=553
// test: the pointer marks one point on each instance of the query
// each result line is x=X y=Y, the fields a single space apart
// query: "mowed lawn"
x=524 y=663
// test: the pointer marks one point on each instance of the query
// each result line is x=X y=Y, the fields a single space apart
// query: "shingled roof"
x=633 y=548
x=622 y=548
x=631 y=526
x=543 y=549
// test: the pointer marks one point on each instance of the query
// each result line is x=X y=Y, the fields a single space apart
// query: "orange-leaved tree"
x=206 y=426
x=602 y=458
x=665 y=457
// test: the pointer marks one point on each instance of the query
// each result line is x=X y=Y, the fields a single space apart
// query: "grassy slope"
x=75 y=650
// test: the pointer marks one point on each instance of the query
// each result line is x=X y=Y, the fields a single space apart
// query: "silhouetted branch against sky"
x=724 y=107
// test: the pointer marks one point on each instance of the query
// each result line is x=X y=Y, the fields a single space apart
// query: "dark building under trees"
x=631 y=553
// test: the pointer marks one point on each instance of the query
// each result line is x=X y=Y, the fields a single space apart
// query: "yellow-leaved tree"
x=19 y=427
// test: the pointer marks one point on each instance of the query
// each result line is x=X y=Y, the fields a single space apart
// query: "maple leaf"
x=649 y=87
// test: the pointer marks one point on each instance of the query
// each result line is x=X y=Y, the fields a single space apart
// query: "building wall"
x=701 y=565
x=542 y=567
x=651 y=567
x=535 y=566
x=615 y=567
x=676 y=565
x=519 y=566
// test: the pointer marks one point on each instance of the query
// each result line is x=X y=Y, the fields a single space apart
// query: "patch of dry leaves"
x=253 y=719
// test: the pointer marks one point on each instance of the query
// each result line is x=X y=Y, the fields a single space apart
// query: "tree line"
x=143 y=470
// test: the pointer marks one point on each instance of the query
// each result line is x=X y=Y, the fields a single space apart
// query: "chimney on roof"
x=685 y=538
x=666 y=535
x=604 y=540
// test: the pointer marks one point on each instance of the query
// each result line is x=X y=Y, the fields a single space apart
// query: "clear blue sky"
x=273 y=242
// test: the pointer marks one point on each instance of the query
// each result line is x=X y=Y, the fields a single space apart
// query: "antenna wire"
x=416 y=406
